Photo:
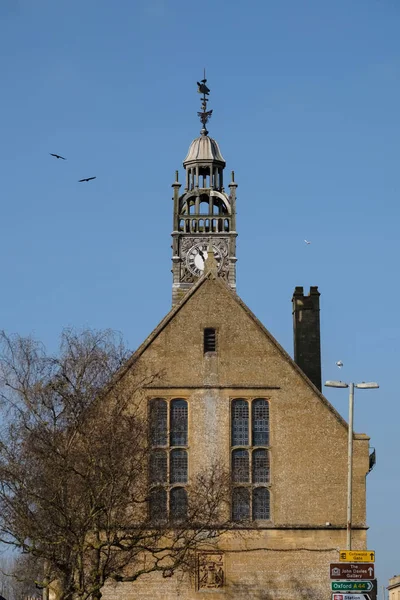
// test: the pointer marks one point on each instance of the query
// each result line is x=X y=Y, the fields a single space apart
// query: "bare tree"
x=74 y=463
x=24 y=572
x=18 y=573
x=7 y=565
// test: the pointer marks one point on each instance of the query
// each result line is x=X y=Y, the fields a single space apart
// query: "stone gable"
x=286 y=557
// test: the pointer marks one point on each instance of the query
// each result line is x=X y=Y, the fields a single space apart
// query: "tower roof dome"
x=204 y=149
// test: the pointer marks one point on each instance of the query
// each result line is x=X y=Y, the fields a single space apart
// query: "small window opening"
x=210 y=340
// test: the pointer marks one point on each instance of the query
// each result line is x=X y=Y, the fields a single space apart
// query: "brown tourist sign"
x=352 y=571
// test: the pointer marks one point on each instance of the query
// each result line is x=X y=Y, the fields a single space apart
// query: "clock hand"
x=201 y=254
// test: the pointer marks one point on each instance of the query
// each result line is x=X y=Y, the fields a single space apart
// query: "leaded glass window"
x=178 y=503
x=158 y=466
x=241 y=504
x=260 y=419
x=179 y=422
x=240 y=466
x=158 y=504
x=261 y=508
x=240 y=423
x=158 y=422
x=260 y=461
x=168 y=465
x=250 y=462
x=178 y=466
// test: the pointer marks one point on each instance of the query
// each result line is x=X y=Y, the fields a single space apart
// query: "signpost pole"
x=350 y=465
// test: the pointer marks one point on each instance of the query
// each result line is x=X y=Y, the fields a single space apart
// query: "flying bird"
x=339 y=364
x=307 y=242
x=87 y=179
x=203 y=89
x=57 y=156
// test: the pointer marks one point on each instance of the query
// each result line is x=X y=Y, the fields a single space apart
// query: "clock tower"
x=204 y=215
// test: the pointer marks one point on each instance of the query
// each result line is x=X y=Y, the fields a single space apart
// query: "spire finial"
x=204 y=114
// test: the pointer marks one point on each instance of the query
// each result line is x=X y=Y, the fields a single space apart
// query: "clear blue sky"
x=306 y=97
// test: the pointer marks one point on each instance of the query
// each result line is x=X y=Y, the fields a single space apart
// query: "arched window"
x=261 y=503
x=240 y=423
x=260 y=466
x=178 y=466
x=241 y=504
x=158 y=422
x=158 y=504
x=260 y=414
x=240 y=466
x=178 y=422
x=204 y=206
x=219 y=207
x=178 y=504
x=158 y=466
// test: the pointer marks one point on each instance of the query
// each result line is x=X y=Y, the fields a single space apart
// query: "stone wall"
x=287 y=557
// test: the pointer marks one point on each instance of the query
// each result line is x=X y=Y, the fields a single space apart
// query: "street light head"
x=336 y=384
x=367 y=386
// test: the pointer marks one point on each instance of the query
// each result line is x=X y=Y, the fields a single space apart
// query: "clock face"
x=197 y=256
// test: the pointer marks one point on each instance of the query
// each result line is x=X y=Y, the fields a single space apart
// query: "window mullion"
x=167 y=484
x=250 y=405
x=251 y=486
x=169 y=424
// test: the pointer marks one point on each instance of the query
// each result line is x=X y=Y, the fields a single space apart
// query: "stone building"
x=394 y=588
x=228 y=390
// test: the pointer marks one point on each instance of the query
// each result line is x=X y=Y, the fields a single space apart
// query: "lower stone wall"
x=268 y=565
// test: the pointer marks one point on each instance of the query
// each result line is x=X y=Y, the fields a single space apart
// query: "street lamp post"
x=363 y=386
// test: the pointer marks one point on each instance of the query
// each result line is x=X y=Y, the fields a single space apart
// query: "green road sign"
x=351 y=586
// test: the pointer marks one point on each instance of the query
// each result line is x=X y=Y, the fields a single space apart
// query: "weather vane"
x=204 y=114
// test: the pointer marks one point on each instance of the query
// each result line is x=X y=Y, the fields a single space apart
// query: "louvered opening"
x=210 y=340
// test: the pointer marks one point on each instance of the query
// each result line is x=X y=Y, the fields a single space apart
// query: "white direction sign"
x=351 y=597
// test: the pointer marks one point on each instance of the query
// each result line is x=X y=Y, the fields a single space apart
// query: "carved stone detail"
x=210 y=571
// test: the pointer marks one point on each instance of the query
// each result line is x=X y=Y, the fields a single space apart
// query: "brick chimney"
x=306 y=333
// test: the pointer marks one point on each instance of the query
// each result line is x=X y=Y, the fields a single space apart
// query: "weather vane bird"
x=204 y=114
x=202 y=88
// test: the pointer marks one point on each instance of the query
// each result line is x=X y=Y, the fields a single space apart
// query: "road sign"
x=357 y=556
x=351 y=586
x=351 y=597
x=352 y=571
